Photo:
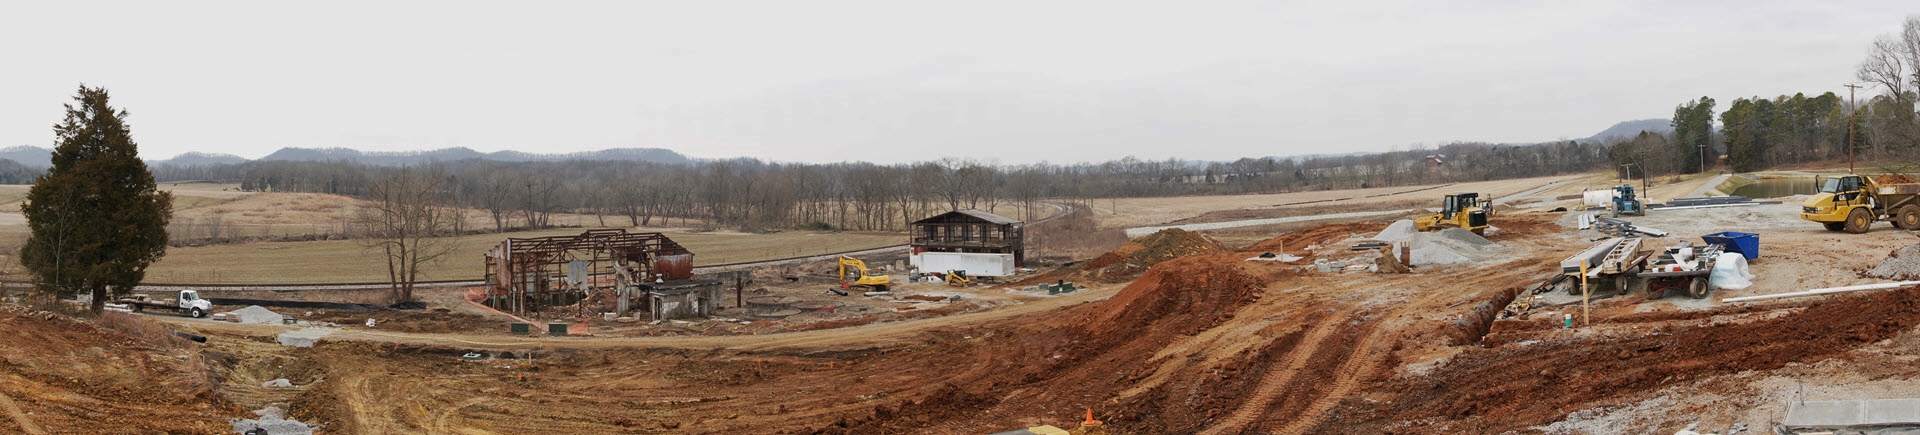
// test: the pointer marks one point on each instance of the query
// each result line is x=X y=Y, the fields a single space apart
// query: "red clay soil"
x=1493 y=390
x=1131 y=259
x=73 y=376
x=1894 y=179
x=1079 y=357
x=1296 y=242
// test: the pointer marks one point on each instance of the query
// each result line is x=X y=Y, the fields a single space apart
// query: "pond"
x=1778 y=187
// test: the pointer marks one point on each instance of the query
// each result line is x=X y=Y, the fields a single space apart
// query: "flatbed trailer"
x=1665 y=272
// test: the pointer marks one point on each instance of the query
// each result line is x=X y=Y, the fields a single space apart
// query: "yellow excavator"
x=855 y=270
x=1458 y=210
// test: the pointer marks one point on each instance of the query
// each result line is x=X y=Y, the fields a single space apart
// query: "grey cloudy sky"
x=893 y=81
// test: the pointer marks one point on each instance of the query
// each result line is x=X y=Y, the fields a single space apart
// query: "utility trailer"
x=187 y=303
x=1682 y=266
x=1610 y=264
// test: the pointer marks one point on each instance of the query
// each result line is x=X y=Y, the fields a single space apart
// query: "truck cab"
x=1852 y=203
x=188 y=302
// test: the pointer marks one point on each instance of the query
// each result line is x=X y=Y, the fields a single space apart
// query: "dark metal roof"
x=976 y=214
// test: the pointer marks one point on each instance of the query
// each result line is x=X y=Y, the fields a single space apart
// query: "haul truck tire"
x=1858 y=220
x=1908 y=218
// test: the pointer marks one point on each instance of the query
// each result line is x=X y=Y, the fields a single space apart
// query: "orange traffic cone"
x=1090 y=421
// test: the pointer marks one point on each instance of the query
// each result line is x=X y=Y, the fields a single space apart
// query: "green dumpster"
x=518 y=328
x=557 y=328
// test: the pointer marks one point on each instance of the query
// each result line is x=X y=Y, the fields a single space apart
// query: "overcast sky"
x=895 y=81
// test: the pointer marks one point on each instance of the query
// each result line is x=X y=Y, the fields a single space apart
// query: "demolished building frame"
x=526 y=274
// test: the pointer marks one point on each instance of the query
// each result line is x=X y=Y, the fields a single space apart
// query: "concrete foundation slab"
x=1845 y=413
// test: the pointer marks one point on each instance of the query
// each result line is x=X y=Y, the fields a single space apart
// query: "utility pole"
x=1703 y=153
x=1629 y=168
x=1850 y=117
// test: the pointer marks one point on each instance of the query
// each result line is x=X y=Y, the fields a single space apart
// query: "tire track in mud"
x=19 y=417
x=1276 y=381
x=1360 y=364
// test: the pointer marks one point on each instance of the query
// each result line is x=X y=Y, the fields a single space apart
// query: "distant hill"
x=28 y=155
x=1629 y=129
x=200 y=158
x=656 y=155
x=37 y=157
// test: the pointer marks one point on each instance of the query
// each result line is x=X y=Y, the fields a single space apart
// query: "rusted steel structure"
x=526 y=274
x=971 y=231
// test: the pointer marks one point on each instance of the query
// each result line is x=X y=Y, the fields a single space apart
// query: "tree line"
x=756 y=194
x=1758 y=132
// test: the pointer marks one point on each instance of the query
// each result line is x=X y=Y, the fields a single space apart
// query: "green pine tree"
x=96 y=217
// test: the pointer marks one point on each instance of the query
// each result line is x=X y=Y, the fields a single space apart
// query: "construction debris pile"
x=1901 y=265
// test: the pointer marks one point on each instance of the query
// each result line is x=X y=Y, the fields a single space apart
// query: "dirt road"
x=878 y=335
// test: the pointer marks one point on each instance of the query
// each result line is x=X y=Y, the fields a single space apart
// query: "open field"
x=348 y=261
x=1135 y=212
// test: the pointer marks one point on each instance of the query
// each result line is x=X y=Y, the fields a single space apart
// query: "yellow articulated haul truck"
x=1852 y=203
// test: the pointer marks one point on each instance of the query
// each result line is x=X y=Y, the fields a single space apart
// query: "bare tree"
x=410 y=223
x=1894 y=64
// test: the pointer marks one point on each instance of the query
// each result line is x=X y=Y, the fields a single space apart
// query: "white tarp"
x=1730 y=272
x=974 y=264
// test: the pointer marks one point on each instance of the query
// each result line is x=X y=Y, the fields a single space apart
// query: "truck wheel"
x=1909 y=217
x=196 y=313
x=1698 y=290
x=1858 y=220
x=134 y=307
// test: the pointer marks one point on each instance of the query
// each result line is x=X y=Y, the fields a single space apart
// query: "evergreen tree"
x=96 y=217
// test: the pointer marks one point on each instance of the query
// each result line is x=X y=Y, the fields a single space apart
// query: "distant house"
x=971 y=231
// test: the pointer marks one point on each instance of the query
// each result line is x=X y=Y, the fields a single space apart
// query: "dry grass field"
x=347 y=261
x=1135 y=212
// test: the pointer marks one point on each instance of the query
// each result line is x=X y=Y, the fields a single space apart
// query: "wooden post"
x=1586 y=297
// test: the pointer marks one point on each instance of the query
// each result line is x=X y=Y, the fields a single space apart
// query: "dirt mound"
x=1136 y=256
x=1901 y=265
x=1894 y=179
x=71 y=375
x=1296 y=242
x=438 y=320
x=1076 y=235
x=1487 y=391
x=1130 y=259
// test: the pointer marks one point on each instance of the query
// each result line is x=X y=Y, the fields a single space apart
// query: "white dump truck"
x=188 y=302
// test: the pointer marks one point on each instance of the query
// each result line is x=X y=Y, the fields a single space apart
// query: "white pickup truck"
x=188 y=303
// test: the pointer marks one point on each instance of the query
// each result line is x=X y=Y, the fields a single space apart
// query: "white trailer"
x=973 y=264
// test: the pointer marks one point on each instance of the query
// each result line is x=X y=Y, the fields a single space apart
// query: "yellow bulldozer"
x=1458 y=210
x=854 y=275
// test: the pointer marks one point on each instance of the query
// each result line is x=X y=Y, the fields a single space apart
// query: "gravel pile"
x=1901 y=265
x=257 y=315
x=1449 y=246
x=274 y=420
x=1397 y=231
